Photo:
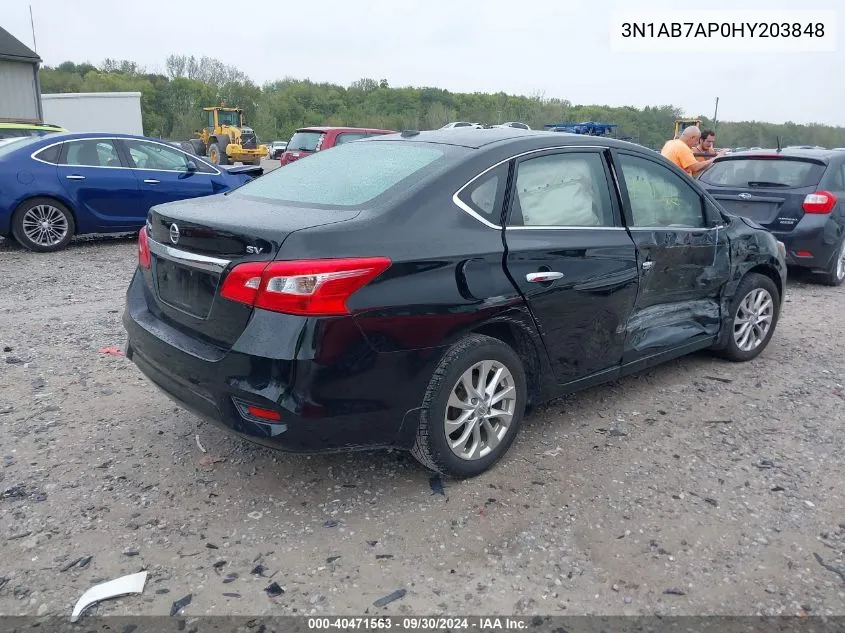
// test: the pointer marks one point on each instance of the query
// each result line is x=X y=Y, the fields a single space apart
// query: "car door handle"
x=151 y=181
x=543 y=276
x=75 y=177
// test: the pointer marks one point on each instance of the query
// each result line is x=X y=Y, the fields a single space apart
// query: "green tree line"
x=172 y=105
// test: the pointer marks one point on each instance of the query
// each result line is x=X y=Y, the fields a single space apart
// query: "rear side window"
x=485 y=196
x=305 y=141
x=50 y=154
x=348 y=137
x=349 y=175
x=764 y=172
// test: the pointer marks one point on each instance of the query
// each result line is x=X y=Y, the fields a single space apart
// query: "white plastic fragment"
x=133 y=583
x=200 y=445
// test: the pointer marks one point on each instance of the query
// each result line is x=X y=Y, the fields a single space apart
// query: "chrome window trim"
x=192 y=260
x=33 y=156
x=456 y=200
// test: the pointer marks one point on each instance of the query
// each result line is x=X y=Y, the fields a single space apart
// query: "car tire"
x=742 y=344
x=31 y=212
x=196 y=146
x=466 y=359
x=836 y=273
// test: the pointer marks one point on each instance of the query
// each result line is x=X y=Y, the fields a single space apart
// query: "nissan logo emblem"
x=174 y=234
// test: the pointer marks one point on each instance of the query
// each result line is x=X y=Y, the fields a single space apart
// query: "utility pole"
x=32 y=25
x=715 y=114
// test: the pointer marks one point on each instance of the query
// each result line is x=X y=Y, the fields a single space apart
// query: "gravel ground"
x=698 y=487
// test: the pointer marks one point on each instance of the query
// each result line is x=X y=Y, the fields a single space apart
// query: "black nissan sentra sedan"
x=420 y=290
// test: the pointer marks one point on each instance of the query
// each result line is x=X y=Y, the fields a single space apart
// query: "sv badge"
x=254 y=250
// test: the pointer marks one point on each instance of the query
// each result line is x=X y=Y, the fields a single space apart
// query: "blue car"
x=61 y=185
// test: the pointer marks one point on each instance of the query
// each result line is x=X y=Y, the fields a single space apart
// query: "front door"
x=163 y=174
x=570 y=257
x=102 y=191
x=684 y=259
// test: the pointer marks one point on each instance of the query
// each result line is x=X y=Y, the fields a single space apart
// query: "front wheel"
x=754 y=315
x=472 y=409
x=43 y=225
x=835 y=275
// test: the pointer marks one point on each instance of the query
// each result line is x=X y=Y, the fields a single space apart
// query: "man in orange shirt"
x=679 y=151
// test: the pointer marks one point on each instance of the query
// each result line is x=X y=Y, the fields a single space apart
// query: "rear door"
x=684 y=258
x=768 y=189
x=162 y=173
x=101 y=188
x=570 y=257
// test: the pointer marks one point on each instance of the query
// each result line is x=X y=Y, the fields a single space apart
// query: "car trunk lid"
x=194 y=244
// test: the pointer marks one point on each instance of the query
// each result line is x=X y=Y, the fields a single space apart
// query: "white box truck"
x=109 y=112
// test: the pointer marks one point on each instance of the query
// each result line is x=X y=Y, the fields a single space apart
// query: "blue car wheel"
x=43 y=225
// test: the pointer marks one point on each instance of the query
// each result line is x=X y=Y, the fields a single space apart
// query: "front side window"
x=91 y=153
x=146 y=155
x=658 y=196
x=561 y=190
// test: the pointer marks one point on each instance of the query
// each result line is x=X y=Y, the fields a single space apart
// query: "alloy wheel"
x=753 y=319
x=480 y=410
x=45 y=225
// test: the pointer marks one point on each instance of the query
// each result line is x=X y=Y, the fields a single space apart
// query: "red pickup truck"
x=308 y=140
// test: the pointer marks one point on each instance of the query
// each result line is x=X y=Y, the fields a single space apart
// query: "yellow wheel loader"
x=226 y=140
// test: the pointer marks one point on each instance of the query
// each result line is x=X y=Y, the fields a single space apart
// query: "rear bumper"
x=351 y=398
x=813 y=242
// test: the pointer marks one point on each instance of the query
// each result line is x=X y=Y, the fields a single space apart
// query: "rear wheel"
x=473 y=408
x=754 y=315
x=43 y=225
x=836 y=273
x=197 y=146
x=217 y=153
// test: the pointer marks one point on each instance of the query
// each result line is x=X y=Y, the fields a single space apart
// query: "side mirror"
x=192 y=166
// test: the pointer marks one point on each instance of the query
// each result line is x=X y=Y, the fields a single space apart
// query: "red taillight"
x=143 y=249
x=819 y=202
x=265 y=414
x=318 y=287
x=803 y=254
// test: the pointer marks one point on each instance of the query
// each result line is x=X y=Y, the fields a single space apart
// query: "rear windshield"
x=764 y=172
x=7 y=146
x=348 y=175
x=304 y=141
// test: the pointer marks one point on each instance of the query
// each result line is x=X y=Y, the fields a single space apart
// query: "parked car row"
x=421 y=290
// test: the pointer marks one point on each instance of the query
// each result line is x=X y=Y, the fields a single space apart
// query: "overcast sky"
x=560 y=48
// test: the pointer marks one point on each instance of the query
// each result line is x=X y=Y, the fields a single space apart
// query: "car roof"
x=329 y=128
x=476 y=139
x=823 y=155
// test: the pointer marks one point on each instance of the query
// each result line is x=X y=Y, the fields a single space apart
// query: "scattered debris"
x=130 y=552
x=181 y=604
x=386 y=600
x=331 y=523
x=230 y=578
x=674 y=592
x=210 y=460
x=839 y=571
x=15 y=537
x=372 y=543
x=133 y=583
x=712 y=502
x=273 y=590
x=809 y=504
x=766 y=463
x=778 y=489
x=15 y=492
x=719 y=379
x=232 y=595
x=211 y=546
x=220 y=564
x=162 y=591
x=436 y=485
x=383 y=556
x=79 y=563
x=255 y=515
x=332 y=559
x=3 y=581
x=105 y=464
x=258 y=570
x=554 y=452
x=197 y=437
x=111 y=351
x=718 y=422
